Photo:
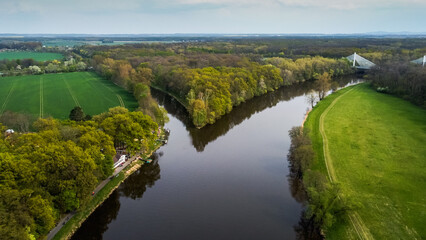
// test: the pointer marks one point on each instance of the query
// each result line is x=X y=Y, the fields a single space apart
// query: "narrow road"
x=67 y=217
x=359 y=226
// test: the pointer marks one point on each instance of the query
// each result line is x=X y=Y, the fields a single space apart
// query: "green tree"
x=81 y=66
x=325 y=204
x=199 y=114
x=128 y=129
x=77 y=114
x=323 y=84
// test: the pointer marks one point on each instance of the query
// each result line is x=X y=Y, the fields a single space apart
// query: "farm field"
x=375 y=149
x=56 y=94
x=72 y=43
x=38 y=56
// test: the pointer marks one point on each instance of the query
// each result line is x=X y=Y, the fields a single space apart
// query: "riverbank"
x=175 y=96
x=102 y=194
x=372 y=145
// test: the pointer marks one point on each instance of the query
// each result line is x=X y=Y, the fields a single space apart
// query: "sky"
x=211 y=16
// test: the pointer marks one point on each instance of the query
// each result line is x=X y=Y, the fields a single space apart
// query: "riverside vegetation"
x=375 y=175
x=53 y=170
x=208 y=85
x=210 y=78
x=51 y=167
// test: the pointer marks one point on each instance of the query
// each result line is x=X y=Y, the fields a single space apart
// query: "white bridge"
x=360 y=62
x=421 y=61
x=365 y=64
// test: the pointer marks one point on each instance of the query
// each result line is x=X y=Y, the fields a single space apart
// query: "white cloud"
x=328 y=4
x=46 y=6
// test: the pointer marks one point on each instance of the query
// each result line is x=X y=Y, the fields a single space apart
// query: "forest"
x=211 y=77
x=20 y=45
x=208 y=83
x=53 y=170
x=401 y=78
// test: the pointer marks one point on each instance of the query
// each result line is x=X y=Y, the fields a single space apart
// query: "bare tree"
x=18 y=121
x=311 y=98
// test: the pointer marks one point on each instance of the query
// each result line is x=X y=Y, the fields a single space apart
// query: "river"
x=229 y=180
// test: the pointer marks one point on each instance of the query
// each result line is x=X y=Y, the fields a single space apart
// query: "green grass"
x=38 y=56
x=56 y=94
x=377 y=149
x=87 y=209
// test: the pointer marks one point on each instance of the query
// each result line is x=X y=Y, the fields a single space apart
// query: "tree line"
x=135 y=79
x=54 y=169
x=401 y=78
x=20 y=45
x=270 y=47
x=319 y=195
x=31 y=66
x=211 y=92
x=212 y=77
x=209 y=84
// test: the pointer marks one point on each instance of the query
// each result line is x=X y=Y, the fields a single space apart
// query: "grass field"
x=38 y=56
x=374 y=146
x=56 y=94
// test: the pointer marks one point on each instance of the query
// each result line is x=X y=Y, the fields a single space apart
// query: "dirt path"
x=120 y=100
x=359 y=226
x=3 y=107
x=71 y=93
x=41 y=97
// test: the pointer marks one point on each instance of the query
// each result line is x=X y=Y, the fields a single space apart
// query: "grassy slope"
x=61 y=92
x=38 y=56
x=376 y=144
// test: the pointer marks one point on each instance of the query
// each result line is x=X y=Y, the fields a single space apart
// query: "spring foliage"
x=53 y=170
x=212 y=92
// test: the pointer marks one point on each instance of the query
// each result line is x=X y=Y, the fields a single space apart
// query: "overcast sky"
x=211 y=16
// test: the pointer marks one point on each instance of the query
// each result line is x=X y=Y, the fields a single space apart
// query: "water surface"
x=225 y=181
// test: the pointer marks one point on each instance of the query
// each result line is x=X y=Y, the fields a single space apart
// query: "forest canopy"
x=53 y=170
x=211 y=76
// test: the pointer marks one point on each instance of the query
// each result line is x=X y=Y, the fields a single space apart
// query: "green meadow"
x=375 y=148
x=38 y=56
x=56 y=94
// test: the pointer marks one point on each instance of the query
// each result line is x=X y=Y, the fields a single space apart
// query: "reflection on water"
x=137 y=183
x=239 y=187
x=202 y=137
x=97 y=223
x=135 y=187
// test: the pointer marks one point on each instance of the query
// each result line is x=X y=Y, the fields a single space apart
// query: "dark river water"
x=226 y=181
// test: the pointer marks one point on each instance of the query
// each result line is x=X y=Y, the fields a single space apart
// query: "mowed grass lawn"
x=56 y=94
x=38 y=56
x=377 y=146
